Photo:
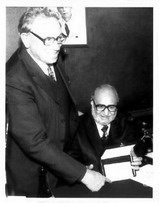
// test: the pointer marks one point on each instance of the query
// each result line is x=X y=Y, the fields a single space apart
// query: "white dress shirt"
x=99 y=127
x=43 y=66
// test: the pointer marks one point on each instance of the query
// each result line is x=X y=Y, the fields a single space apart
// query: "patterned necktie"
x=67 y=30
x=104 y=138
x=104 y=129
x=51 y=73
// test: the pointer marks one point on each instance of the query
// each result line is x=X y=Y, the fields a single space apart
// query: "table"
x=119 y=189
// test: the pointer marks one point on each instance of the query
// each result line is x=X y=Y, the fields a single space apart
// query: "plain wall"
x=119 y=51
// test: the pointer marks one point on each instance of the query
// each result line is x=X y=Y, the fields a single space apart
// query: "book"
x=116 y=163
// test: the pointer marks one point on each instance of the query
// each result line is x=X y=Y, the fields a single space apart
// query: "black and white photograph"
x=80 y=101
x=73 y=21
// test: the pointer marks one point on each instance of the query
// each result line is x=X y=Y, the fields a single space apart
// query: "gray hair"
x=31 y=14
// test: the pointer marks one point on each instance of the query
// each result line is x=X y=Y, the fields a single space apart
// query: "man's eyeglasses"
x=102 y=107
x=51 y=40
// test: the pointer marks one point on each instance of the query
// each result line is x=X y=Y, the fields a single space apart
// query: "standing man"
x=42 y=113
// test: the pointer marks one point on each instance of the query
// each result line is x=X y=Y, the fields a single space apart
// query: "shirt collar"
x=99 y=127
x=41 y=64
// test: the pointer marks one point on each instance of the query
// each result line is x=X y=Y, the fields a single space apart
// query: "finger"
x=137 y=158
x=137 y=168
x=136 y=163
x=108 y=180
x=96 y=188
x=91 y=166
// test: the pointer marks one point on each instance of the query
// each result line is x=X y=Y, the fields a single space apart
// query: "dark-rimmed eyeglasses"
x=48 y=41
x=102 y=107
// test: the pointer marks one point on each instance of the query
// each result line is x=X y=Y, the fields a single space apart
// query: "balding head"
x=104 y=104
x=106 y=91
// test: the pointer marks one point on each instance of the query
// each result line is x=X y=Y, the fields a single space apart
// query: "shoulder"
x=16 y=74
x=61 y=66
x=86 y=122
x=121 y=117
x=123 y=120
x=86 y=117
x=12 y=61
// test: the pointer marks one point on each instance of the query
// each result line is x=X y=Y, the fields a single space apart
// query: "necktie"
x=104 y=137
x=51 y=73
x=104 y=129
x=67 y=30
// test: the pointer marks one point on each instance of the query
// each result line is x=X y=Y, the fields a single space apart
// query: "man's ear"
x=91 y=101
x=25 y=39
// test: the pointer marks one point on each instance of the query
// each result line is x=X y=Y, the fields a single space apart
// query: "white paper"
x=145 y=175
x=150 y=155
x=117 y=152
x=118 y=171
x=121 y=170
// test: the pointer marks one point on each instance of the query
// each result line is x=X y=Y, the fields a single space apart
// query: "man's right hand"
x=94 y=180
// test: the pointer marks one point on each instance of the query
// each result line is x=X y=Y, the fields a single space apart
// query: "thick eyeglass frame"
x=50 y=40
x=101 y=107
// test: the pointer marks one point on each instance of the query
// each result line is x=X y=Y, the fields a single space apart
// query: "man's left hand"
x=135 y=161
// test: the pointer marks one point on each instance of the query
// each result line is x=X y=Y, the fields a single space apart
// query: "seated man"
x=90 y=141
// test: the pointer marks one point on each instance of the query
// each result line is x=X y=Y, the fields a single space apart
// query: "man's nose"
x=56 y=46
x=106 y=111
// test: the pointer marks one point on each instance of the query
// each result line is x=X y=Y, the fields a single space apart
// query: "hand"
x=94 y=180
x=90 y=166
x=135 y=161
x=80 y=113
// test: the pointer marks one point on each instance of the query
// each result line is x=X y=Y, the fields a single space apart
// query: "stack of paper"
x=145 y=175
x=116 y=163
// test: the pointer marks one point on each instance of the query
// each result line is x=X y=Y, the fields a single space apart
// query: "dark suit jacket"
x=37 y=125
x=87 y=146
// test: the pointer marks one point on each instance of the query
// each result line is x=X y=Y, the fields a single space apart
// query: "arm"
x=75 y=149
x=29 y=132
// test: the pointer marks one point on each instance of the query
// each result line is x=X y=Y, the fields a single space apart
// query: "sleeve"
x=28 y=131
x=75 y=149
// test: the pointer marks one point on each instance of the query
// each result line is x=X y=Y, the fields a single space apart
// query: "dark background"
x=119 y=51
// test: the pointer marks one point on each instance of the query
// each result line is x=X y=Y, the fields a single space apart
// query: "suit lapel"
x=114 y=134
x=47 y=86
x=62 y=74
x=38 y=76
x=93 y=136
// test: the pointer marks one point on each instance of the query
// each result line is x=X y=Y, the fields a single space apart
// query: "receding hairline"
x=106 y=88
x=30 y=14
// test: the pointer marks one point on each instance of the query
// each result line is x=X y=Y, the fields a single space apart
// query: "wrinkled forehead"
x=105 y=96
x=46 y=25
